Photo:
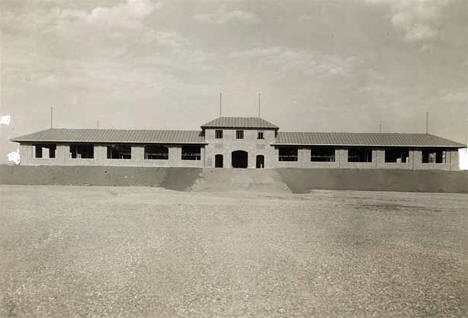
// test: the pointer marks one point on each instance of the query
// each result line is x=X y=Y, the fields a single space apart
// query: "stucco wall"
x=250 y=143
x=63 y=158
x=227 y=145
x=378 y=161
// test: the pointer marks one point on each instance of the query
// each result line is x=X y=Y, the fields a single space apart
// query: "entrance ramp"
x=240 y=180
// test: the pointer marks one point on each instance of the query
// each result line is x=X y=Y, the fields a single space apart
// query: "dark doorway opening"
x=260 y=161
x=239 y=159
x=218 y=161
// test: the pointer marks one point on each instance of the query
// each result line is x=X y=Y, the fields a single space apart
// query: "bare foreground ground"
x=133 y=251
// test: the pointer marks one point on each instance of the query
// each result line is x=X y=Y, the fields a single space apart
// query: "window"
x=359 y=155
x=398 y=155
x=45 y=151
x=433 y=156
x=158 y=152
x=191 y=153
x=82 y=151
x=239 y=134
x=287 y=154
x=322 y=154
x=219 y=134
x=119 y=151
x=260 y=135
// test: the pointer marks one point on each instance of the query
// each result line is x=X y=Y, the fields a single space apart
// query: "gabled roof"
x=115 y=136
x=364 y=139
x=240 y=122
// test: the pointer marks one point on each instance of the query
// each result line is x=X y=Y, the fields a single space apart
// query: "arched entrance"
x=218 y=161
x=239 y=159
x=260 y=162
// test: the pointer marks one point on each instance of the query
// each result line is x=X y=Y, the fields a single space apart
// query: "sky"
x=320 y=65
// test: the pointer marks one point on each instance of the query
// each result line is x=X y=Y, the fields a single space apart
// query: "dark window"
x=433 y=156
x=322 y=154
x=399 y=155
x=218 y=161
x=119 y=151
x=82 y=151
x=359 y=155
x=191 y=153
x=260 y=135
x=239 y=134
x=45 y=151
x=156 y=152
x=260 y=161
x=287 y=154
x=218 y=134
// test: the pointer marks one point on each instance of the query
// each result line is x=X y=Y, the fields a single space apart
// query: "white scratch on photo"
x=5 y=120
x=14 y=157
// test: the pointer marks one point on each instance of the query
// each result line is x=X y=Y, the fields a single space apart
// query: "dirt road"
x=138 y=252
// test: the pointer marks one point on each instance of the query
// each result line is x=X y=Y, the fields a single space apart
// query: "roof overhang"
x=370 y=145
x=107 y=142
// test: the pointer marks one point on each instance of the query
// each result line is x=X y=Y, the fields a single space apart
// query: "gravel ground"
x=137 y=252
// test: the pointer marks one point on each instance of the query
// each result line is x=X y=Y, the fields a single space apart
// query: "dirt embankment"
x=250 y=180
x=170 y=178
x=304 y=180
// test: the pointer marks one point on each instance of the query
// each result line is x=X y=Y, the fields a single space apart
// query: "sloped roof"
x=364 y=139
x=195 y=137
x=115 y=135
x=240 y=122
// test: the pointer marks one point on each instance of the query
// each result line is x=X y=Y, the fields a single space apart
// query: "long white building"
x=237 y=142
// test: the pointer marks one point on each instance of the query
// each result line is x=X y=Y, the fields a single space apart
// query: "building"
x=237 y=142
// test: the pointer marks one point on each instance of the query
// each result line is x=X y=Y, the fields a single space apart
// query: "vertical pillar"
x=100 y=153
x=454 y=160
x=26 y=153
x=417 y=159
x=203 y=159
x=251 y=159
x=342 y=157
x=175 y=155
x=275 y=158
x=302 y=156
x=227 y=159
x=138 y=153
x=62 y=153
x=378 y=155
x=411 y=159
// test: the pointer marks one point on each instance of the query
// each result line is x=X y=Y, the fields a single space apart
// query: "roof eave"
x=238 y=127
x=369 y=145
x=113 y=141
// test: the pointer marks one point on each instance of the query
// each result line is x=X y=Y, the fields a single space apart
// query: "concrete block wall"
x=378 y=161
x=381 y=164
x=63 y=157
x=451 y=161
x=303 y=160
x=229 y=143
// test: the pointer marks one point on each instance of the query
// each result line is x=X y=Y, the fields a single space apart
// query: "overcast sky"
x=341 y=65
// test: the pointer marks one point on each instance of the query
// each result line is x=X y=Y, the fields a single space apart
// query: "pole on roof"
x=51 y=117
x=259 y=104
x=427 y=122
x=220 y=104
x=97 y=124
x=380 y=127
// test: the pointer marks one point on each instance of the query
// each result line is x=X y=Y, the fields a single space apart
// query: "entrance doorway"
x=218 y=161
x=260 y=161
x=239 y=159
